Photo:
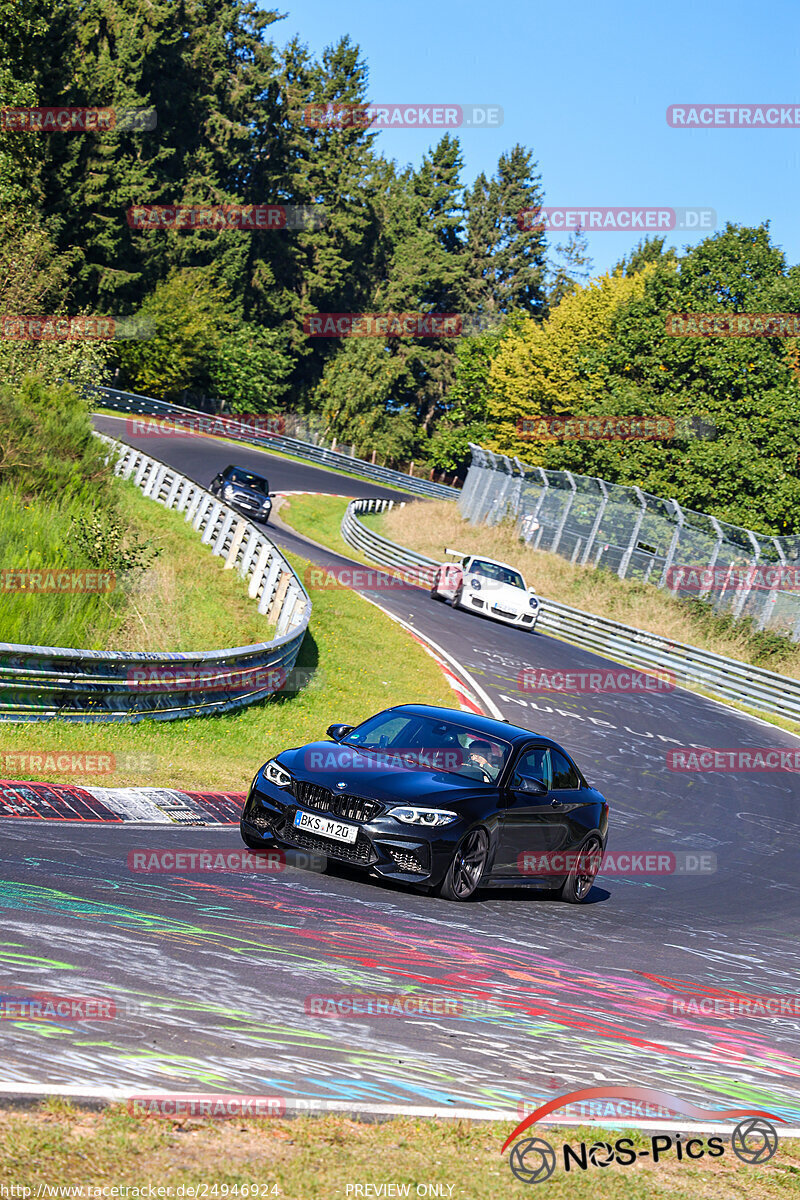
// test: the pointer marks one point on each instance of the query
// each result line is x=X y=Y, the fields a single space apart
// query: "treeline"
x=226 y=308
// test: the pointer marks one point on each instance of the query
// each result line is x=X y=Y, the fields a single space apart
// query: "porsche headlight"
x=275 y=773
x=475 y=584
x=534 y=603
x=424 y=816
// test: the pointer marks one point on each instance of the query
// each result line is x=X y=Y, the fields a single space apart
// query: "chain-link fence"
x=639 y=536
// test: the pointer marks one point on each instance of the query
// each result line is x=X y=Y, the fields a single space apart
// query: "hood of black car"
x=329 y=765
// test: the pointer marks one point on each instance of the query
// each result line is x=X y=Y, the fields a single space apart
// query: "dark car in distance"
x=243 y=490
x=435 y=797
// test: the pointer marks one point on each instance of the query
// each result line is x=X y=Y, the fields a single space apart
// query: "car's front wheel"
x=254 y=842
x=467 y=868
x=578 y=884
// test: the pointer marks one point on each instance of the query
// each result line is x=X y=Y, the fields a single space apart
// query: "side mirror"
x=337 y=732
x=527 y=783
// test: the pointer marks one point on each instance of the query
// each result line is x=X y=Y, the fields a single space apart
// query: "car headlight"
x=424 y=816
x=475 y=584
x=227 y=492
x=275 y=773
x=534 y=603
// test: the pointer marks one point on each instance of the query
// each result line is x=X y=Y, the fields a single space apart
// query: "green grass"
x=319 y=518
x=183 y=600
x=319 y=1158
x=223 y=752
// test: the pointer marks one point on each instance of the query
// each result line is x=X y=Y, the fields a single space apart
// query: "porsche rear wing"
x=457 y=553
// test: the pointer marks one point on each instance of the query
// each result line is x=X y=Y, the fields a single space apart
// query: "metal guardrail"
x=39 y=683
x=724 y=677
x=146 y=406
x=640 y=536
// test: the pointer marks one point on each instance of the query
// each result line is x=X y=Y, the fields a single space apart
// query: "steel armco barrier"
x=129 y=402
x=723 y=677
x=42 y=682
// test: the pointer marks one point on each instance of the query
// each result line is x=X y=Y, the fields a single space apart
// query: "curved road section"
x=255 y=981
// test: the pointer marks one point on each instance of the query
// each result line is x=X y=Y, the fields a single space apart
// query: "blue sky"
x=586 y=87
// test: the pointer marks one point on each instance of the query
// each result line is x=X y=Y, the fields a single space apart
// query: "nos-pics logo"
x=533 y=1160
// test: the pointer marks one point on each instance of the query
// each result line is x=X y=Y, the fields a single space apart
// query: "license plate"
x=326 y=827
x=503 y=611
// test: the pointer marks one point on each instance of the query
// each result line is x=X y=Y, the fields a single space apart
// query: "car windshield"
x=246 y=479
x=491 y=570
x=428 y=743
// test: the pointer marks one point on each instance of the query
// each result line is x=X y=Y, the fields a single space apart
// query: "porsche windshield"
x=424 y=743
x=491 y=570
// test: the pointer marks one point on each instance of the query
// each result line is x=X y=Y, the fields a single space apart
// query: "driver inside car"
x=486 y=757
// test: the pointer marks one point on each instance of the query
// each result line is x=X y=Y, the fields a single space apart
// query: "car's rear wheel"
x=435 y=588
x=467 y=868
x=456 y=601
x=578 y=884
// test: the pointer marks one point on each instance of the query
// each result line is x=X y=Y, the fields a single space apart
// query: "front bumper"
x=255 y=511
x=523 y=620
x=384 y=846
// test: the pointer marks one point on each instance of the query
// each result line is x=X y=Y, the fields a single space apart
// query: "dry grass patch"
x=430 y=526
x=320 y=1158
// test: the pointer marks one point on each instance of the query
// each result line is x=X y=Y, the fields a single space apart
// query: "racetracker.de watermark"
x=599 y=219
x=60 y=762
x=56 y=579
x=158 y=862
x=621 y=863
x=717 y=758
x=339 y=115
x=578 y=683
x=48 y=1006
x=368 y=578
x=222 y=1106
x=246 y=217
x=76 y=119
x=395 y=324
x=612 y=428
x=391 y=1004
x=398 y=758
x=734 y=116
x=733 y=324
x=762 y=577
x=732 y=1006
x=263 y=425
x=74 y=329
x=208 y=679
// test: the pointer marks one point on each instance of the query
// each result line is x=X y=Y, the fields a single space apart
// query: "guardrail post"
x=219 y=540
x=481 y=496
x=673 y=545
x=737 y=607
x=712 y=562
x=258 y=570
x=626 y=557
x=497 y=508
x=769 y=601
x=236 y=541
x=596 y=524
x=566 y=512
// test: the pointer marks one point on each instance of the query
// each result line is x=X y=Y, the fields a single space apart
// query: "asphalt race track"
x=212 y=975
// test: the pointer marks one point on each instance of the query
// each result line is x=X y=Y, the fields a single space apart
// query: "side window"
x=564 y=774
x=387 y=733
x=535 y=764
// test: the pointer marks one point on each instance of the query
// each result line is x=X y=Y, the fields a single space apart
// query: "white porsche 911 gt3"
x=485 y=586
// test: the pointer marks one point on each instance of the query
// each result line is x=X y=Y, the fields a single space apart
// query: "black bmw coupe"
x=436 y=797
